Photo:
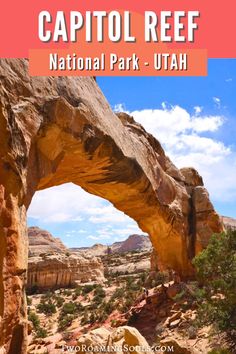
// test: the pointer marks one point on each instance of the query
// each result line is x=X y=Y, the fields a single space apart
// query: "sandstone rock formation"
x=124 y=337
x=41 y=241
x=229 y=223
x=51 y=265
x=58 y=130
x=61 y=270
x=135 y=243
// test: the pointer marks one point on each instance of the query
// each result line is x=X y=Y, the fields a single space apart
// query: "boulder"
x=125 y=337
x=178 y=348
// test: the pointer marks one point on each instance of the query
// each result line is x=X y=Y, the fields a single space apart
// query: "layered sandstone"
x=41 y=241
x=50 y=271
x=58 y=130
x=229 y=223
x=51 y=264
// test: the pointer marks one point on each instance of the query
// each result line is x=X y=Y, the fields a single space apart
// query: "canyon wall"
x=59 y=130
x=61 y=270
x=52 y=265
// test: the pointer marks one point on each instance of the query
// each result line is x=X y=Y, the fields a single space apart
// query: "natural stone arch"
x=58 y=130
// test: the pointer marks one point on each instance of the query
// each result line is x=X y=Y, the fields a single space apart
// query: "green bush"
x=46 y=307
x=216 y=273
x=41 y=333
x=85 y=319
x=34 y=318
x=59 y=301
x=108 y=307
x=29 y=300
x=99 y=291
x=67 y=292
x=87 y=289
x=78 y=291
x=65 y=321
x=118 y=294
x=69 y=308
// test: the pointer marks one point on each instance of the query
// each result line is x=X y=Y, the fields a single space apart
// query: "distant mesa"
x=229 y=223
x=41 y=241
x=132 y=243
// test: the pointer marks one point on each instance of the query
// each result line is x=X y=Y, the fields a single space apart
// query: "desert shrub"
x=78 y=291
x=127 y=304
x=48 y=295
x=46 y=307
x=65 y=320
x=85 y=319
x=29 y=301
x=100 y=294
x=134 y=287
x=34 y=318
x=69 y=308
x=59 y=301
x=92 y=318
x=118 y=294
x=113 y=323
x=216 y=273
x=179 y=296
x=41 y=333
x=101 y=316
x=143 y=277
x=107 y=307
x=99 y=291
x=67 y=292
x=87 y=289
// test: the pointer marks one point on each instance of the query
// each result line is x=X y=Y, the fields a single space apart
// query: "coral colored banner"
x=119 y=63
x=19 y=36
x=19 y=22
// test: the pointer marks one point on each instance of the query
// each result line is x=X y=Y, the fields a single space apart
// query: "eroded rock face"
x=58 y=130
x=52 y=265
x=123 y=337
x=229 y=223
x=41 y=241
x=61 y=270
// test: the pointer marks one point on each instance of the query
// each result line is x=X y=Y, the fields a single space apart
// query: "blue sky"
x=195 y=120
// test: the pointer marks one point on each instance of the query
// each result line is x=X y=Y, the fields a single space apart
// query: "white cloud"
x=119 y=107
x=185 y=140
x=92 y=237
x=62 y=203
x=197 y=110
x=69 y=203
x=217 y=101
x=106 y=214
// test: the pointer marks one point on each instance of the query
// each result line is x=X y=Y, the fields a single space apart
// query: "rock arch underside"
x=59 y=130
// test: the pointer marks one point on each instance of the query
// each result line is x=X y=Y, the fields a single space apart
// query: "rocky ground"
x=115 y=309
x=94 y=312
